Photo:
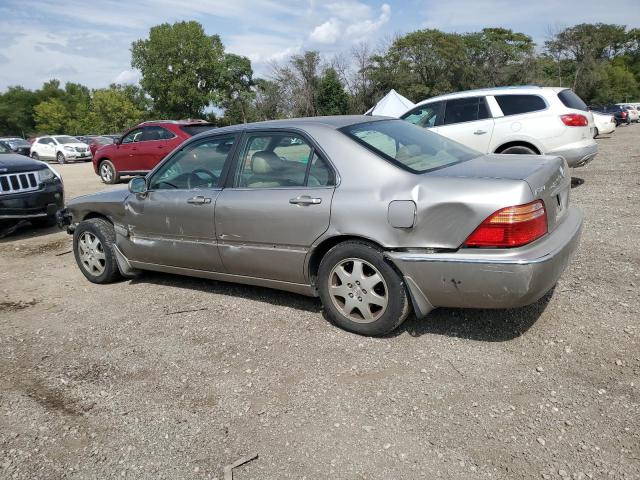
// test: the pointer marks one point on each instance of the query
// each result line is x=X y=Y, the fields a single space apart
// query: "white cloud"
x=367 y=27
x=127 y=77
x=349 y=11
x=327 y=32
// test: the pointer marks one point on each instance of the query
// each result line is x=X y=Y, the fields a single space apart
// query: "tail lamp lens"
x=511 y=227
x=574 y=120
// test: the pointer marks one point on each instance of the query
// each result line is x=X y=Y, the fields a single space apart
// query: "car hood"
x=107 y=196
x=10 y=163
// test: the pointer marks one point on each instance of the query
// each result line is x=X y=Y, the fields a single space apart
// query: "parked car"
x=632 y=110
x=141 y=148
x=95 y=141
x=604 y=123
x=523 y=120
x=620 y=114
x=371 y=214
x=61 y=148
x=29 y=189
x=17 y=145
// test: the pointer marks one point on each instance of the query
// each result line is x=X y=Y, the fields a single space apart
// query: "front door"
x=278 y=204
x=173 y=222
x=126 y=158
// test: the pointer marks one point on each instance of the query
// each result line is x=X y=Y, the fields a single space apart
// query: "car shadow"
x=262 y=294
x=23 y=229
x=474 y=324
x=576 y=182
x=485 y=325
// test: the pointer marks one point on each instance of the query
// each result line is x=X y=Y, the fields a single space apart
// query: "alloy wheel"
x=358 y=290
x=106 y=173
x=91 y=254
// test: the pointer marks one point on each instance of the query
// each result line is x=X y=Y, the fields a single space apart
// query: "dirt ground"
x=172 y=377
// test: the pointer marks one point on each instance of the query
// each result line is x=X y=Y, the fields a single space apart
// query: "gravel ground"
x=172 y=377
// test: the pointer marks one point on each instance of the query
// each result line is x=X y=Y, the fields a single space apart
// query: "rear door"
x=277 y=204
x=156 y=143
x=467 y=120
x=173 y=222
x=46 y=148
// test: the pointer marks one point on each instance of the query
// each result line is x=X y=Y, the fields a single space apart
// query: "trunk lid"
x=547 y=176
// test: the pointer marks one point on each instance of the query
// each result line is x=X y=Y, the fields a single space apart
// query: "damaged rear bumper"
x=490 y=278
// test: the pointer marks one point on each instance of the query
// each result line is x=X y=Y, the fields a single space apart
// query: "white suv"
x=527 y=120
x=61 y=148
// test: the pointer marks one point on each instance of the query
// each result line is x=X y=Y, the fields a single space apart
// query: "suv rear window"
x=516 y=104
x=197 y=128
x=571 y=100
x=409 y=146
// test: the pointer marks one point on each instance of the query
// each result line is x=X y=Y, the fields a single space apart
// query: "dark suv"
x=619 y=112
x=29 y=189
x=142 y=147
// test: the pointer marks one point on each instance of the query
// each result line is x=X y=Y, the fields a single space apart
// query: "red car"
x=142 y=147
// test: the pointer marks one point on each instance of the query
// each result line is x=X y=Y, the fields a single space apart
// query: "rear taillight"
x=511 y=227
x=574 y=120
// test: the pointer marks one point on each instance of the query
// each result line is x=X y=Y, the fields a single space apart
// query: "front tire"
x=360 y=291
x=93 y=242
x=35 y=156
x=108 y=172
x=60 y=158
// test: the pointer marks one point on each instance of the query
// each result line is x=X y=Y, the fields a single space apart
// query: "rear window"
x=516 y=104
x=571 y=100
x=196 y=129
x=409 y=146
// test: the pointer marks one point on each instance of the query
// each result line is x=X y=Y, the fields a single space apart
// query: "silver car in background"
x=373 y=215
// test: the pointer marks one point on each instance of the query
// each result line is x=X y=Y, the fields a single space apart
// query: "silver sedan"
x=375 y=216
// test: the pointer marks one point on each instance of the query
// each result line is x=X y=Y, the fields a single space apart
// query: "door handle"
x=199 y=200
x=479 y=132
x=305 y=200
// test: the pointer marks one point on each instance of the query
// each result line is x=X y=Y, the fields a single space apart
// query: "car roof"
x=334 y=122
x=511 y=90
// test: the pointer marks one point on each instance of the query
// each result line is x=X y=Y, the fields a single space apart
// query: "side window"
x=516 y=104
x=426 y=116
x=196 y=166
x=43 y=141
x=274 y=160
x=320 y=174
x=465 y=110
x=133 y=136
x=156 y=133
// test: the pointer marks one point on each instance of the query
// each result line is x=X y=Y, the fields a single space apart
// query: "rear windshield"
x=408 y=146
x=571 y=100
x=196 y=129
x=516 y=104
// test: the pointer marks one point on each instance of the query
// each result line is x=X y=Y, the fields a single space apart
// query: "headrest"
x=265 y=162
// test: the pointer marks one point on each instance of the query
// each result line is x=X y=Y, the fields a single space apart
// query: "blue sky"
x=88 y=41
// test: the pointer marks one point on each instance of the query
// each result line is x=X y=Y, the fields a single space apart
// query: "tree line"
x=185 y=72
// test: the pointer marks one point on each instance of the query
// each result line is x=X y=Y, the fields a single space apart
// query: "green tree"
x=112 y=111
x=237 y=94
x=332 y=99
x=51 y=116
x=16 y=111
x=181 y=68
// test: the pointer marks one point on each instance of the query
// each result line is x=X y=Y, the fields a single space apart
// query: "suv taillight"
x=574 y=120
x=511 y=227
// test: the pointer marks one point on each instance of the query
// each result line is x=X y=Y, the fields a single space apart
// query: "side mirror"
x=138 y=185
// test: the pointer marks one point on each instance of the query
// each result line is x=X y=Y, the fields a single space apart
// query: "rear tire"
x=519 y=150
x=360 y=291
x=60 y=158
x=108 y=172
x=596 y=133
x=93 y=242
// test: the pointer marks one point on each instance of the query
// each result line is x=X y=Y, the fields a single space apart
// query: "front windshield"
x=17 y=142
x=67 y=139
x=408 y=146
